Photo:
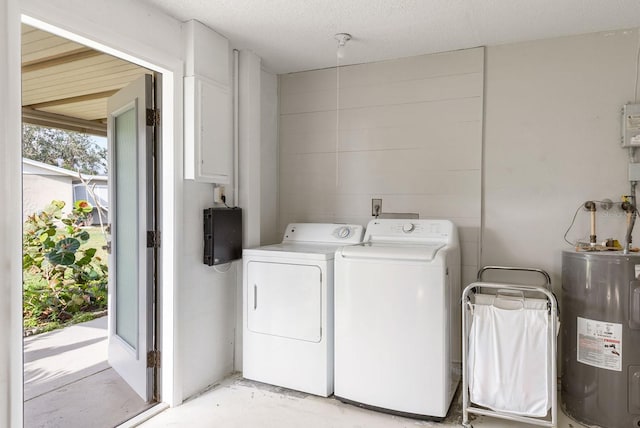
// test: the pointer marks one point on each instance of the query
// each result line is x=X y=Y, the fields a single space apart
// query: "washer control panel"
x=410 y=229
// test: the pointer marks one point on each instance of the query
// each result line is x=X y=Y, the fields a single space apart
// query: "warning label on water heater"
x=600 y=344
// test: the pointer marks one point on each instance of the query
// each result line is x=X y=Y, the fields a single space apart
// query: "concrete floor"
x=239 y=403
x=68 y=382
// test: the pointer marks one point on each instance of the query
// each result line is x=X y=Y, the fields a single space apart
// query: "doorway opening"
x=81 y=374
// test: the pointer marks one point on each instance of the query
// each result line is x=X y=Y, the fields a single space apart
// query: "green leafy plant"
x=61 y=275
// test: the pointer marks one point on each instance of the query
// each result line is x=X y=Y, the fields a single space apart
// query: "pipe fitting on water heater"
x=591 y=207
x=628 y=206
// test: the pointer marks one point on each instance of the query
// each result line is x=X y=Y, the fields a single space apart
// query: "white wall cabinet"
x=208 y=104
x=208 y=131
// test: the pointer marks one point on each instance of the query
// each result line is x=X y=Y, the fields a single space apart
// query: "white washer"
x=288 y=307
x=397 y=312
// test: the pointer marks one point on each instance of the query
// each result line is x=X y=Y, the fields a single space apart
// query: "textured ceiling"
x=296 y=35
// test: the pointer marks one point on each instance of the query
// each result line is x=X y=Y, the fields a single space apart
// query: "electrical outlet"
x=376 y=207
x=218 y=193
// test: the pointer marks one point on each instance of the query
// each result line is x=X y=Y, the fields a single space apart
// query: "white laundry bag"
x=508 y=359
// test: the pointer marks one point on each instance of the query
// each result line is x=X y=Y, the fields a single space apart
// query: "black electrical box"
x=222 y=235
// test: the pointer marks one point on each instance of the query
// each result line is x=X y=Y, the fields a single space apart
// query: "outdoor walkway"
x=68 y=382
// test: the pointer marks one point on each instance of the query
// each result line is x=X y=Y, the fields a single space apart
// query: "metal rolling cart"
x=541 y=304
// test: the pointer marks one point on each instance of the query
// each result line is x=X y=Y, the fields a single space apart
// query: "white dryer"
x=288 y=307
x=397 y=312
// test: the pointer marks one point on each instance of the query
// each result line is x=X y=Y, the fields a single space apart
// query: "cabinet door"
x=285 y=300
x=208 y=131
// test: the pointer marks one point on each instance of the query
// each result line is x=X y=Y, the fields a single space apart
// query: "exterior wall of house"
x=42 y=183
x=39 y=190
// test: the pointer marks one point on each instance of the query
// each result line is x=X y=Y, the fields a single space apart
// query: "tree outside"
x=65 y=149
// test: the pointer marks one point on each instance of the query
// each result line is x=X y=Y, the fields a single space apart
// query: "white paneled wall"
x=408 y=131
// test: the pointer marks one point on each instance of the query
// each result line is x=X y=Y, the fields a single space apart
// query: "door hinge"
x=153 y=117
x=153 y=239
x=153 y=359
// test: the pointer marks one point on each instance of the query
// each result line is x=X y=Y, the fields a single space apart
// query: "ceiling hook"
x=342 y=38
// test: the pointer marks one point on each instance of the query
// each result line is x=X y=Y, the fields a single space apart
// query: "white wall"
x=10 y=219
x=206 y=315
x=410 y=132
x=269 y=232
x=249 y=135
x=207 y=297
x=552 y=136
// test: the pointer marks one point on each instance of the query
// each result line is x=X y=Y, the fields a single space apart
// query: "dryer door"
x=285 y=300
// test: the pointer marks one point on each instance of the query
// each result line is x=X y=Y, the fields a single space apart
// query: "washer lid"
x=392 y=251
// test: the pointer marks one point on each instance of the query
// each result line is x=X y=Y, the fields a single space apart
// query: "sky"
x=100 y=141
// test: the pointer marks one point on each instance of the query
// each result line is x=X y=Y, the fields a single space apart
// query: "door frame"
x=58 y=21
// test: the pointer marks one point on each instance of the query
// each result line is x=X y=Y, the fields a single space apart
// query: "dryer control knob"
x=408 y=227
x=343 y=232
